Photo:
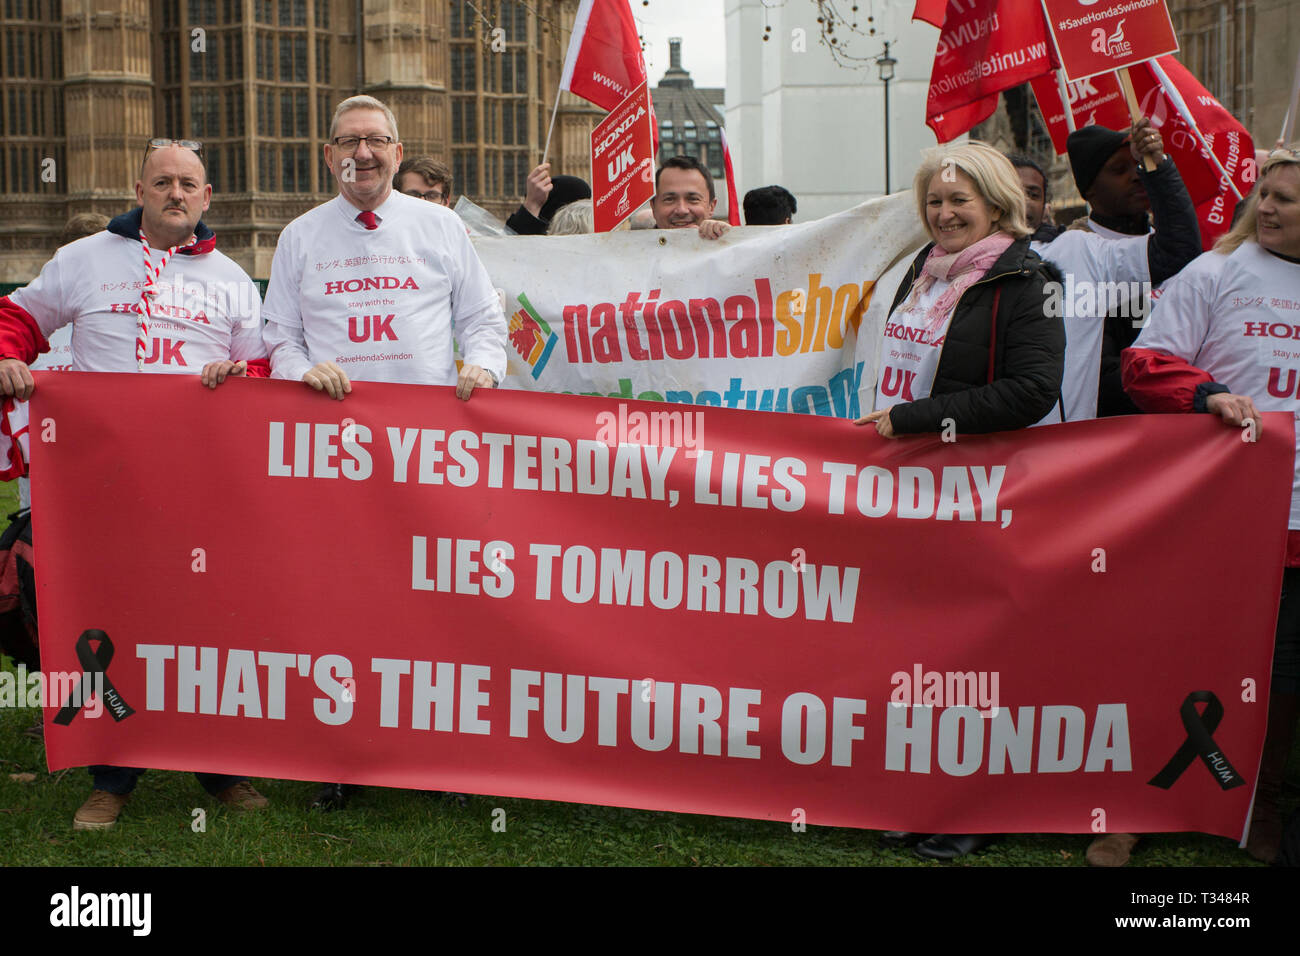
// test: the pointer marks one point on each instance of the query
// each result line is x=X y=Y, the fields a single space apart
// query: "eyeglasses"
x=349 y=144
x=190 y=144
x=433 y=195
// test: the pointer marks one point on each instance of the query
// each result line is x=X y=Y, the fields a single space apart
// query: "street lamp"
x=885 y=64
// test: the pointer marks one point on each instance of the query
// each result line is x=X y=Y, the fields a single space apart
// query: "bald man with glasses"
x=199 y=316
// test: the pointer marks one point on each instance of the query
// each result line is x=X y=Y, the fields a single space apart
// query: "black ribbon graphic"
x=1199 y=743
x=94 y=661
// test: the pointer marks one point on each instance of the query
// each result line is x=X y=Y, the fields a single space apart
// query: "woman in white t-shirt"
x=1210 y=346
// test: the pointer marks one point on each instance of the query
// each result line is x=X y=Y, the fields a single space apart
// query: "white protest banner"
x=764 y=318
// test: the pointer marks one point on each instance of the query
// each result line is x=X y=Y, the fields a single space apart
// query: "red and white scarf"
x=960 y=270
x=150 y=290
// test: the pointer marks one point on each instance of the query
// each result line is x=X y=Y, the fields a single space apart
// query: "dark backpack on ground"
x=18 y=592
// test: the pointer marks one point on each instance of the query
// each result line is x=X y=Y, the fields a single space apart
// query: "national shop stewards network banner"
x=764 y=318
x=700 y=609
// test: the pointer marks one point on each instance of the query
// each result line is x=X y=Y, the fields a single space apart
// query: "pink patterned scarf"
x=960 y=269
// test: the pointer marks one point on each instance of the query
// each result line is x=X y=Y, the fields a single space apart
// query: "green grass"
x=396 y=827
x=399 y=828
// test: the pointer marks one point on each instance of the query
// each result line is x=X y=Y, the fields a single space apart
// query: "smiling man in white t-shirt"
x=372 y=285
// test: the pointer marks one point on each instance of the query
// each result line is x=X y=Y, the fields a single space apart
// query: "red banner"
x=1105 y=36
x=1096 y=101
x=658 y=606
x=984 y=47
x=622 y=161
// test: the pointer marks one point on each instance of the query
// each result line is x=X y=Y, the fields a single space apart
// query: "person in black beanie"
x=1120 y=193
x=1114 y=253
x=545 y=195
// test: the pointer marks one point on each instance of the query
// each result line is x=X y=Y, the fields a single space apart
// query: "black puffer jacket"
x=1029 y=352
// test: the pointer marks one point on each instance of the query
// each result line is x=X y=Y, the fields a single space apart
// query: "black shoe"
x=333 y=796
x=949 y=846
x=896 y=838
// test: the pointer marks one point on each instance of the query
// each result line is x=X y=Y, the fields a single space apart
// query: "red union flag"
x=1096 y=36
x=733 y=195
x=604 y=63
x=728 y=612
x=930 y=11
x=622 y=161
x=1178 y=108
x=982 y=51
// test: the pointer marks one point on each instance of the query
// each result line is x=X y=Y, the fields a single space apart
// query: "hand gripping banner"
x=725 y=612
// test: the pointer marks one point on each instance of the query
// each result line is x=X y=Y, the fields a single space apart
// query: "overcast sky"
x=702 y=27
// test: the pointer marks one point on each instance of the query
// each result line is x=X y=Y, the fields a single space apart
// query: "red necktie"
x=367 y=219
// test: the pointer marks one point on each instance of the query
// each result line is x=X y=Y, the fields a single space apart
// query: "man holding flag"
x=1119 y=246
x=604 y=66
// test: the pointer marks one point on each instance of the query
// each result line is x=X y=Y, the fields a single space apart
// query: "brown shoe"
x=99 y=812
x=242 y=796
x=1111 y=849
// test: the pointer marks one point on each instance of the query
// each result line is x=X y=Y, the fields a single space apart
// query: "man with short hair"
x=372 y=237
x=415 y=254
x=684 y=197
x=1034 y=181
x=423 y=177
x=769 y=206
x=150 y=293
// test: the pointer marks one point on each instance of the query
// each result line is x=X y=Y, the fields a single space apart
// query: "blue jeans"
x=121 y=780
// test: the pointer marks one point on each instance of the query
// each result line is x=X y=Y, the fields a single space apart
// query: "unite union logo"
x=1115 y=45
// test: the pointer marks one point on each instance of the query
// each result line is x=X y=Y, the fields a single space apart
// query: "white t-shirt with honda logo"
x=1237 y=317
x=910 y=356
x=206 y=308
x=381 y=303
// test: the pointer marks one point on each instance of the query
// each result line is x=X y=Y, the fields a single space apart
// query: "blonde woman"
x=968 y=337
x=575 y=219
x=1200 y=351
